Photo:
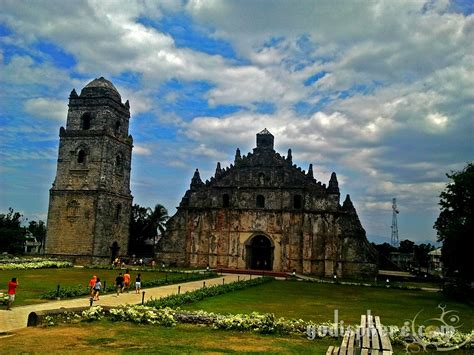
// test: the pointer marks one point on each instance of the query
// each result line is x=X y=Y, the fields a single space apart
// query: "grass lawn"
x=33 y=283
x=317 y=302
x=119 y=337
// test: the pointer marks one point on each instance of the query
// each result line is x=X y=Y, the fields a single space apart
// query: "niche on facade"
x=86 y=121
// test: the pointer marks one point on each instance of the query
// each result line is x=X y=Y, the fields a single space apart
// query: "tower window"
x=81 y=156
x=225 y=200
x=119 y=164
x=86 y=121
x=118 y=211
x=297 y=202
x=260 y=201
x=117 y=126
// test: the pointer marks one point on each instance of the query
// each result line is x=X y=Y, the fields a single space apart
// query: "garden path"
x=18 y=316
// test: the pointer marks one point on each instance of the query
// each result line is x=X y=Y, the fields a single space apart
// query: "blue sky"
x=381 y=93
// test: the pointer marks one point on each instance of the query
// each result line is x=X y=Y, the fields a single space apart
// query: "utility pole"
x=394 y=239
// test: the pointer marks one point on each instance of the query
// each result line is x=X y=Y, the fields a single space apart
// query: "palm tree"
x=156 y=222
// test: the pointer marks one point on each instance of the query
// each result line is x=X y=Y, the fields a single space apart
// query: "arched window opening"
x=86 y=121
x=225 y=200
x=260 y=201
x=118 y=211
x=117 y=126
x=119 y=164
x=297 y=202
x=73 y=209
x=81 y=156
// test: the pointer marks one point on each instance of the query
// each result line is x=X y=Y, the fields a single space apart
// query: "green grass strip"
x=81 y=290
x=174 y=301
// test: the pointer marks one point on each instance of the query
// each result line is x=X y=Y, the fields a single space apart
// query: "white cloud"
x=141 y=150
x=47 y=108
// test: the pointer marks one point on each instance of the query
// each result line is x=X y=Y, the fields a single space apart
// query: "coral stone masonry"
x=263 y=212
x=90 y=200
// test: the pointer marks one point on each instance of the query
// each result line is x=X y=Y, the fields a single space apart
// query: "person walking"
x=138 y=283
x=97 y=287
x=12 y=285
x=92 y=282
x=119 y=283
x=126 y=280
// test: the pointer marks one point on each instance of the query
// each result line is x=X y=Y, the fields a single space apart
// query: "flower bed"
x=23 y=264
x=254 y=322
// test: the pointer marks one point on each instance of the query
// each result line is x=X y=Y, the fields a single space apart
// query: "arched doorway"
x=259 y=253
x=114 y=250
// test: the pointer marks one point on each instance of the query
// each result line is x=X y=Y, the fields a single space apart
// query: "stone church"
x=90 y=200
x=263 y=212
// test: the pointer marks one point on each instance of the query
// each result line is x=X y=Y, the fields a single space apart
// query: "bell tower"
x=90 y=200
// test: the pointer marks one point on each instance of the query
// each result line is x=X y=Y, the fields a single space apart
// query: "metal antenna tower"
x=394 y=239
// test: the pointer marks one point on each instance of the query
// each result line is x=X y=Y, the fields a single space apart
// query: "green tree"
x=454 y=225
x=156 y=223
x=145 y=226
x=12 y=234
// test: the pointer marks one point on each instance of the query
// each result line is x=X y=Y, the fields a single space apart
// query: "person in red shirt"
x=92 y=284
x=11 y=292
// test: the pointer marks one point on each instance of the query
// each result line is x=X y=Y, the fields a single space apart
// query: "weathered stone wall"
x=90 y=200
x=263 y=194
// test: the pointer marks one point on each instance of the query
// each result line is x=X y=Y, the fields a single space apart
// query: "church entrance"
x=114 y=250
x=260 y=253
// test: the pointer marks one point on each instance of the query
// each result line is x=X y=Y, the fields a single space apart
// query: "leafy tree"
x=406 y=246
x=145 y=226
x=156 y=223
x=12 y=234
x=454 y=225
x=421 y=253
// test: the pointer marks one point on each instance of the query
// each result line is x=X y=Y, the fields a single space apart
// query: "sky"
x=381 y=92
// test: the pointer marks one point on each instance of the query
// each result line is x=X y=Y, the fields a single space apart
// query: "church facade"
x=90 y=200
x=263 y=212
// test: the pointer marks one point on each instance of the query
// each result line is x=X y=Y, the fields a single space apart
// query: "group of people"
x=122 y=283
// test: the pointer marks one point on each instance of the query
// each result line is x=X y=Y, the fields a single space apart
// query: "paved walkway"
x=17 y=318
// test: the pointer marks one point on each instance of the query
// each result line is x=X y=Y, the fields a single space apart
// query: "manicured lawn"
x=119 y=337
x=317 y=302
x=33 y=283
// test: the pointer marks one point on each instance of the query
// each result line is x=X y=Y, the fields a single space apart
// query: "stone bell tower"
x=90 y=200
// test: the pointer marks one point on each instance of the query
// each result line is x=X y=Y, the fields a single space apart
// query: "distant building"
x=90 y=200
x=265 y=213
x=435 y=265
x=403 y=260
x=32 y=245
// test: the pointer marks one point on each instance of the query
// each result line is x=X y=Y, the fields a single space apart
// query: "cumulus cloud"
x=47 y=108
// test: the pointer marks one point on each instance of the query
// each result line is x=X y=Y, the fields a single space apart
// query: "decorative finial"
x=237 y=156
x=347 y=204
x=218 y=170
x=333 y=187
x=73 y=94
x=289 y=157
x=127 y=104
x=196 y=180
x=310 y=171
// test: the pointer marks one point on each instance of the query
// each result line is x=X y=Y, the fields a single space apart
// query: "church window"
x=81 y=156
x=260 y=201
x=225 y=200
x=119 y=164
x=297 y=202
x=118 y=210
x=73 y=209
x=86 y=121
